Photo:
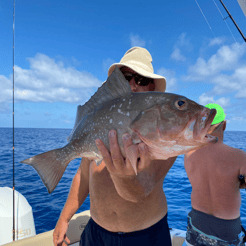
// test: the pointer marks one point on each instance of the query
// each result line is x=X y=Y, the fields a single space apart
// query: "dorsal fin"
x=114 y=87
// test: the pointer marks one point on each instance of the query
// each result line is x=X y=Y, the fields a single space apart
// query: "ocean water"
x=47 y=207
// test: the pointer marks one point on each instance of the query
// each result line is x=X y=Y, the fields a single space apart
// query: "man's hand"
x=129 y=186
x=149 y=172
x=59 y=235
x=137 y=156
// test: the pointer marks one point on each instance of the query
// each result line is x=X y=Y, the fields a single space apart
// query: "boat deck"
x=76 y=227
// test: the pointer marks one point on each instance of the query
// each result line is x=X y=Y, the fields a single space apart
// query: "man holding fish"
x=129 y=134
x=213 y=172
x=125 y=208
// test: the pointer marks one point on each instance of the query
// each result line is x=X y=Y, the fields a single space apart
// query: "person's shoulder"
x=241 y=153
x=235 y=151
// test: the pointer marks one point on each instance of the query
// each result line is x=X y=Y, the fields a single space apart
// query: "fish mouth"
x=202 y=124
x=197 y=128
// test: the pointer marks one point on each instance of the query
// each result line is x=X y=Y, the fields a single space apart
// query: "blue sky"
x=63 y=50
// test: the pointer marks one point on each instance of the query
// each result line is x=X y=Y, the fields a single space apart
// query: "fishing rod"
x=233 y=21
x=13 y=122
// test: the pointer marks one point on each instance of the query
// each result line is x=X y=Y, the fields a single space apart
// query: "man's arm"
x=78 y=193
x=128 y=185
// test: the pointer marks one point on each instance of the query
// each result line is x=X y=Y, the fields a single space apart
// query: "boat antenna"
x=233 y=20
x=13 y=122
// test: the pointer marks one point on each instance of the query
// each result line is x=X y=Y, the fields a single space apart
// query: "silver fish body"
x=167 y=123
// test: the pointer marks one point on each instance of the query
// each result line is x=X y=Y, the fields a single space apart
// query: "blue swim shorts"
x=205 y=229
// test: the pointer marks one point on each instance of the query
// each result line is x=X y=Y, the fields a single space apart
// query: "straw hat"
x=139 y=60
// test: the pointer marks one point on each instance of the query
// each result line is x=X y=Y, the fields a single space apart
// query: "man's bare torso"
x=114 y=213
x=213 y=173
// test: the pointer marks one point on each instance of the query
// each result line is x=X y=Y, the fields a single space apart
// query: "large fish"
x=168 y=124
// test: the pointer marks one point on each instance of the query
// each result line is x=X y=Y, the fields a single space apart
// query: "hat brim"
x=160 y=81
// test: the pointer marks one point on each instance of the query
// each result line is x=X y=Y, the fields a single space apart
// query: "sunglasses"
x=139 y=80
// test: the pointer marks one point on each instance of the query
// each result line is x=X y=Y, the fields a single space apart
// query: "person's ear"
x=224 y=125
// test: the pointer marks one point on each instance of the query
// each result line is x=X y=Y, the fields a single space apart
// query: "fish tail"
x=50 y=166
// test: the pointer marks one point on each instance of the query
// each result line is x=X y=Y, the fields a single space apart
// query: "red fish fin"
x=132 y=155
x=50 y=166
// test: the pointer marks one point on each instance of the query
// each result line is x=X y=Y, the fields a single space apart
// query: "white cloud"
x=233 y=111
x=170 y=78
x=177 y=56
x=48 y=81
x=206 y=98
x=225 y=84
x=182 y=43
x=238 y=118
x=223 y=102
x=216 y=41
x=225 y=59
x=6 y=91
x=136 y=41
x=234 y=82
x=226 y=70
x=240 y=77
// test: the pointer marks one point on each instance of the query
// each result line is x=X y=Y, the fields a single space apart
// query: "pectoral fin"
x=132 y=155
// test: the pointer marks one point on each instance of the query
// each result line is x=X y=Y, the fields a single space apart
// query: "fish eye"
x=181 y=104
